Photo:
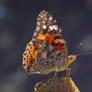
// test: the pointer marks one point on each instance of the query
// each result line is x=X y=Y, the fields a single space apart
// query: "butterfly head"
x=72 y=58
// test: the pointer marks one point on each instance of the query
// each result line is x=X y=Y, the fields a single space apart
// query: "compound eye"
x=71 y=58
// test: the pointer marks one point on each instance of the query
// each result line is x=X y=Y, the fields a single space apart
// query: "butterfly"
x=47 y=51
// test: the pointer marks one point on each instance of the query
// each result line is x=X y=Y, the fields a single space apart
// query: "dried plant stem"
x=64 y=84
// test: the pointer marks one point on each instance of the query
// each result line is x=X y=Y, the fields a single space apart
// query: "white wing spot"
x=50 y=18
x=55 y=27
x=44 y=22
x=37 y=28
x=60 y=30
x=54 y=21
x=44 y=27
x=38 y=23
x=50 y=27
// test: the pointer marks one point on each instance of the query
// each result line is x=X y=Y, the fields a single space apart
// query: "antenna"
x=81 y=53
x=86 y=53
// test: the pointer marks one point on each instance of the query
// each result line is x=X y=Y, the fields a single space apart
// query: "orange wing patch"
x=50 y=38
x=30 y=53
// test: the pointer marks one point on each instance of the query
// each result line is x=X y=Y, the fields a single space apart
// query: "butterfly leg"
x=68 y=71
x=55 y=74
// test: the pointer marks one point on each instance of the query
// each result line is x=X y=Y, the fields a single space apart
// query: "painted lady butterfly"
x=47 y=51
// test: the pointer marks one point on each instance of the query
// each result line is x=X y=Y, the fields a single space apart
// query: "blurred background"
x=17 y=24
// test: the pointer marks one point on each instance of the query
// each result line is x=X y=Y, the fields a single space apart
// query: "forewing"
x=48 y=49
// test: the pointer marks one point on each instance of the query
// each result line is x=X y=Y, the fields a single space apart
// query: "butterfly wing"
x=48 y=49
x=47 y=23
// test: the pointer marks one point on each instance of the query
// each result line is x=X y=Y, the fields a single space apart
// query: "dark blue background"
x=17 y=24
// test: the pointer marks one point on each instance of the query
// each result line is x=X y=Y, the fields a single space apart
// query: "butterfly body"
x=47 y=51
